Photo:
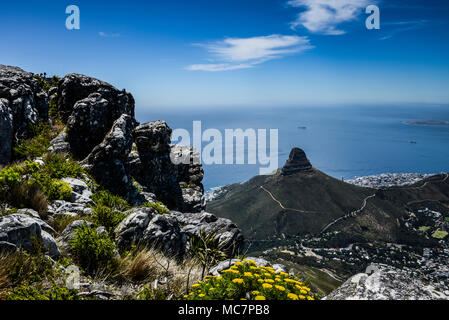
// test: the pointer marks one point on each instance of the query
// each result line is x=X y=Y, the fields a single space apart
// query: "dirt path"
x=281 y=205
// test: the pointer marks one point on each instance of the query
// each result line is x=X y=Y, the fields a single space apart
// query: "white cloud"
x=324 y=16
x=244 y=53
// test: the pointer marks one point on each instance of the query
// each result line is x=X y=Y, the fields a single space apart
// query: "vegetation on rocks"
x=247 y=281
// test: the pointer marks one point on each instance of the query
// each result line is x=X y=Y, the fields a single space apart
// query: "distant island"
x=428 y=122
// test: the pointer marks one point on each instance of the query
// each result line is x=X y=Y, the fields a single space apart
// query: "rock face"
x=20 y=230
x=296 y=163
x=108 y=162
x=22 y=102
x=76 y=87
x=228 y=236
x=172 y=232
x=158 y=166
x=382 y=282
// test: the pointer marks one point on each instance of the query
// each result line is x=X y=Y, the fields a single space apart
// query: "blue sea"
x=342 y=141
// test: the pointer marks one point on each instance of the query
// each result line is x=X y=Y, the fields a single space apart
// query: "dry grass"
x=30 y=196
x=151 y=266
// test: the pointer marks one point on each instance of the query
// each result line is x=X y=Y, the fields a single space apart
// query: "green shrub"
x=29 y=293
x=440 y=235
x=107 y=217
x=59 y=166
x=54 y=189
x=107 y=199
x=158 y=206
x=92 y=250
x=37 y=145
x=247 y=280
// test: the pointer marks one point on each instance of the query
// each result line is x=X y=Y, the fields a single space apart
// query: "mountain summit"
x=297 y=162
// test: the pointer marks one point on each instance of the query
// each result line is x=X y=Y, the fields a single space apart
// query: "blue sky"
x=239 y=53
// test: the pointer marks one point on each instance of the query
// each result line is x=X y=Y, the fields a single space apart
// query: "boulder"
x=90 y=121
x=297 y=163
x=60 y=144
x=81 y=192
x=108 y=162
x=22 y=102
x=145 y=227
x=75 y=87
x=229 y=237
x=21 y=230
x=172 y=173
x=171 y=232
x=382 y=282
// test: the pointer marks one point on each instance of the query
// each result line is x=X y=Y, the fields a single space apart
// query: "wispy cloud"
x=244 y=53
x=325 y=16
x=108 y=35
x=402 y=26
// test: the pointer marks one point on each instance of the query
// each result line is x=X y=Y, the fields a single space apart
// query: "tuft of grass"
x=158 y=206
x=107 y=199
x=440 y=235
x=163 y=277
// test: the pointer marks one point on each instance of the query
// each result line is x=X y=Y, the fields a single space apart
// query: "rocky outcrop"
x=227 y=235
x=108 y=162
x=172 y=173
x=24 y=231
x=171 y=232
x=22 y=102
x=296 y=163
x=382 y=282
x=76 y=87
x=90 y=121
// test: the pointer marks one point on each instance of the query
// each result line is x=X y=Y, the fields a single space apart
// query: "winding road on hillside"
x=354 y=213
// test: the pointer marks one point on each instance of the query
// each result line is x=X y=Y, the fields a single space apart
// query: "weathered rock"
x=382 y=282
x=30 y=212
x=22 y=102
x=22 y=230
x=76 y=87
x=61 y=207
x=108 y=162
x=145 y=227
x=172 y=232
x=296 y=163
x=227 y=235
x=60 y=144
x=81 y=192
x=6 y=131
x=90 y=121
x=172 y=173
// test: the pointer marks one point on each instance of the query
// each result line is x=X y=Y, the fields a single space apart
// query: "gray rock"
x=228 y=236
x=172 y=173
x=108 y=162
x=172 y=232
x=61 y=207
x=6 y=247
x=75 y=87
x=60 y=144
x=22 y=102
x=21 y=230
x=6 y=131
x=90 y=121
x=382 y=282
x=81 y=192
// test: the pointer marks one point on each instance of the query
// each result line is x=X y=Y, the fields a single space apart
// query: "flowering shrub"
x=245 y=280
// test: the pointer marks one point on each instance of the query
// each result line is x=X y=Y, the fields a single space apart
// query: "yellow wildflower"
x=310 y=298
x=248 y=274
x=256 y=293
x=267 y=286
x=292 y=296
x=201 y=295
x=269 y=280
x=238 y=281
x=280 y=288
x=196 y=285
x=260 y=298
x=303 y=292
x=302 y=297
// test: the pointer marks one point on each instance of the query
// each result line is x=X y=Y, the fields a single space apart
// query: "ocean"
x=342 y=141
